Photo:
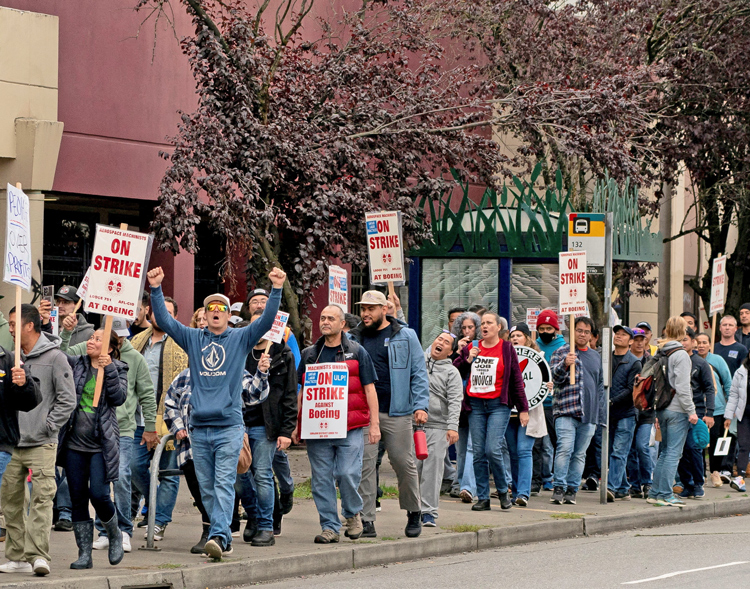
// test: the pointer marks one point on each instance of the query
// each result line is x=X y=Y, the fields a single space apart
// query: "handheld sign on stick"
x=275 y=335
x=83 y=289
x=572 y=296
x=116 y=279
x=385 y=249
x=722 y=444
x=17 y=267
x=718 y=285
x=338 y=293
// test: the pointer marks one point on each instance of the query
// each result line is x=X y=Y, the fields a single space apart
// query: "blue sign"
x=372 y=227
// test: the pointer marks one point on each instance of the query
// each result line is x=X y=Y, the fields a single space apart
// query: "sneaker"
x=636 y=493
x=698 y=493
x=622 y=496
x=687 y=494
x=353 y=527
x=548 y=487
x=102 y=543
x=522 y=501
x=214 y=548
x=591 y=484
x=126 y=543
x=15 y=566
x=413 y=524
x=675 y=501
x=143 y=523
x=738 y=484
x=263 y=538
x=368 y=530
x=377 y=505
x=64 y=525
x=41 y=567
x=652 y=500
x=535 y=490
x=455 y=493
x=557 y=496
x=326 y=537
x=428 y=521
x=570 y=497
x=646 y=491
x=158 y=533
x=716 y=479
x=726 y=476
x=228 y=550
x=466 y=496
x=610 y=496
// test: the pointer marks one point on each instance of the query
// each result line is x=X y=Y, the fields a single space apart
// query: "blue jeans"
x=692 y=466
x=620 y=439
x=216 y=451
x=336 y=462
x=520 y=447
x=642 y=457
x=140 y=464
x=674 y=430
x=573 y=438
x=245 y=488
x=87 y=476
x=263 y=451
x=465 y=462
x=487 y=423
x=62 y=497
x=283 y=472
x=122 y=490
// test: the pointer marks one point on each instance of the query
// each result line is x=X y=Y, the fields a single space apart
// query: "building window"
x=532 y=286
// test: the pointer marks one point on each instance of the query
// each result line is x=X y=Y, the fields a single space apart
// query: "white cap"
x=235 y=319
x=120 y=326
x=236 y=307
x=218 y=298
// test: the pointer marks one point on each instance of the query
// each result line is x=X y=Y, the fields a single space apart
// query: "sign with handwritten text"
x=18 y=240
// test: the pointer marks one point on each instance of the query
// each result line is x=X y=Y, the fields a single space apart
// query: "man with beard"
x=403 y=396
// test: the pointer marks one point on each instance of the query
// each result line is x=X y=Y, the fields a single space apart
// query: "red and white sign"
x=536 y=374
x=118 y=271
x=338 y=293
x=325 y=400
x=483 y=375
x=572 y=296
x=385 y=247
x=83 y=288
x=54 y=320
x=531 y=315
x=276 y=333
x=718 y=285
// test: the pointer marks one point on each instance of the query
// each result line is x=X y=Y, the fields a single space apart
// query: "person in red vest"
x=339 y=461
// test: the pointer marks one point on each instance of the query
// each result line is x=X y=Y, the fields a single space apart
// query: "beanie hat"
x=523 y=328
x=700 y=434
x=547 y=317
x=745 y=306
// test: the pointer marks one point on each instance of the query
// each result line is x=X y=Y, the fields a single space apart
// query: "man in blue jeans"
x=577 y=409
x=625 y=367
x=218 y=355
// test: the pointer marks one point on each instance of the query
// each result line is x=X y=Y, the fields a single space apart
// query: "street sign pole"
x=606 y=354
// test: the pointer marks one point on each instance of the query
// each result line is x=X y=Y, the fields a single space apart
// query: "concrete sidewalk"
x=459 y=530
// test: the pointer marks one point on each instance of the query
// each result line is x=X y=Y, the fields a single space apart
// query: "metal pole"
x=606 y=353
x=153 y=486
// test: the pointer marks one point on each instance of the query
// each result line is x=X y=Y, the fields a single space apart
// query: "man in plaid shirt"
x=577 y=409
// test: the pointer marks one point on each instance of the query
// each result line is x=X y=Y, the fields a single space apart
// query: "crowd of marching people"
x=71 y=441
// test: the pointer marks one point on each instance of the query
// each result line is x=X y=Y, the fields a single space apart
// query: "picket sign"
x=83 y=289
x=338 y=292
x=723 y=444
x=325 y=399
x=572 y=293
x=276 y=334
x=385 y=248
x=718 y=284
x=17 y=263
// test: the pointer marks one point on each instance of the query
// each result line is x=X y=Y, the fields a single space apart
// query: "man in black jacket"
x=692 y=467
x=269 y=426
x=17 y=393
x=625 y=367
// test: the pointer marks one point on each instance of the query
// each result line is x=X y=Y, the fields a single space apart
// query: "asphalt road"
x=656 y=557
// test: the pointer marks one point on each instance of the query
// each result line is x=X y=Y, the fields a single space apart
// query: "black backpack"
x=652 y=389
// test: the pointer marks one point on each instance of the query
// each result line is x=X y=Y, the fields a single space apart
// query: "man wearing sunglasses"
x=217 y=355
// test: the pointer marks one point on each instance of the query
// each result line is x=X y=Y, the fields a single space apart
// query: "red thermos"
x=420 y=443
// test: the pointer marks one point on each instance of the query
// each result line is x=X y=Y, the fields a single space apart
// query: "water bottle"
x=420 y=442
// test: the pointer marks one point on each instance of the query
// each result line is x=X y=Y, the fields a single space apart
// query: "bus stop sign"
x=586 y=233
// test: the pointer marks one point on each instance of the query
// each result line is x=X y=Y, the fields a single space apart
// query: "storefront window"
x=532 y=286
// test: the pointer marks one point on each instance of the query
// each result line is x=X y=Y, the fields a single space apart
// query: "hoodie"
x=679 y=369
x=446 y=394
x=49 y=365
x=12 y=400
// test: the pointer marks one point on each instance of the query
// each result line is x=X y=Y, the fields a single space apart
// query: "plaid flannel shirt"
x=255 y=390
x=567 y=401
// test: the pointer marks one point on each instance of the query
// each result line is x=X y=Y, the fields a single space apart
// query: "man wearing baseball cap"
x=646 y=327
x=218 y=356
x=642 y=457
x=65 y=300
x=403 y=397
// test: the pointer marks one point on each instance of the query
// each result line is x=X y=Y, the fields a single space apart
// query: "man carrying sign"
x=339 y=461
x=218 y=355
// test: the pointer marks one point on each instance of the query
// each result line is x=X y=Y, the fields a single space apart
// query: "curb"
x=218 y=575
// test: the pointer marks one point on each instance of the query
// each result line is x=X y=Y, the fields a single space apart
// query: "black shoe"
x=251 y=529
x=646 y=491
x=591 y=484
x=570 y=497
x=64 y=525
x=636 y=493
x=505 y=502
x=535 y=489
x=456 y=493
x=200 y=546
x=623 y=496
x=143 y=523
x=481 y=505
x=610 y=496
x=368 y=530
x=287 y=502
x=277 y=524
x=413 y=524
x=557 y=496
x=263 y=538
x=215 y=548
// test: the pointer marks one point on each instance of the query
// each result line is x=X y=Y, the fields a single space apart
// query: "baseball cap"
x=644 y=325
x=69 y=293
x=624 y=328
x=373 y=297
x=638 y=332
x=218 y=297
x=235 y=319
x=547 y=317
x=258 y=292
x=523 y=328
x=236 y=307
x=120 y=326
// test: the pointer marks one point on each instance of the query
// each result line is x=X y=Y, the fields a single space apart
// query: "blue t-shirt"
x=217 y=362
x=377 y=347
x=733 y=354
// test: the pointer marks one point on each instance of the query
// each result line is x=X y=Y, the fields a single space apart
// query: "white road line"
x=668 y=575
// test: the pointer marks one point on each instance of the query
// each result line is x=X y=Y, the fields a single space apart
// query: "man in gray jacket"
x=27 y=544
x=441 y=430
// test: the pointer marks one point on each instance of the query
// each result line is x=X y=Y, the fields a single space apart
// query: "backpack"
x=652 y=389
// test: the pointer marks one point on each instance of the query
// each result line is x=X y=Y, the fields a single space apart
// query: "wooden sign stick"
x=18 y=315
x=391 y=288
x=268 y=346
x=105 y=347
x=572 y=348
x=78 y=306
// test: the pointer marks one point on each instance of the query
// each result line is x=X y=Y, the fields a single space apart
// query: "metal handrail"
x=153 y=487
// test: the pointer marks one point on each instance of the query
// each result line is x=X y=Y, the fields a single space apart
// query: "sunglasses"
x=220 y=307
x=453 y=335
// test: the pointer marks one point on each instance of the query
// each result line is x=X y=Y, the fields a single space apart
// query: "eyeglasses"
x=582 y=332
x=220 y=307
x=453 y=335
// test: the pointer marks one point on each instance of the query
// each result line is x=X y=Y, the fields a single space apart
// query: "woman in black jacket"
x=90 y=445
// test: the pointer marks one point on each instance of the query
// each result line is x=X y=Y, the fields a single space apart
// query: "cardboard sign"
x=325 y=400
x=531 y=315
x=483 y=375
x=536 y=374
x=718 y=284
x=276 y=333
x=572 y=296
x=118 y=271
x=722 y=446
x=338 y=292
x=18 y=240
x=83 y=288
x=54 y=320
x=385 y=247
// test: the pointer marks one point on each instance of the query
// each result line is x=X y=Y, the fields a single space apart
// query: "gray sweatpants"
x=398 y=437
x=431 y=470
